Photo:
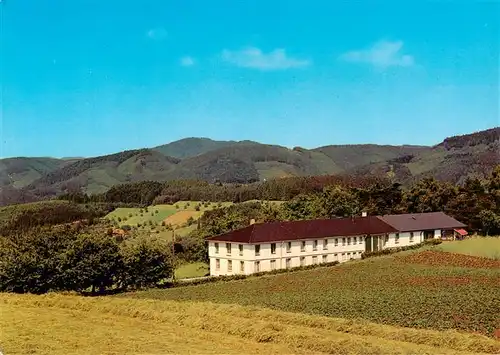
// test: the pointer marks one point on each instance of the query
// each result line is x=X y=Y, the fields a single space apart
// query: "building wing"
x=421 y=221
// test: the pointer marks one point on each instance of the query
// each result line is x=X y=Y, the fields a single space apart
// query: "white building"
x=278 y=245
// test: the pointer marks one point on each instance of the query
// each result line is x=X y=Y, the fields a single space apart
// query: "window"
x=315 y=259
x=348 y=256
x=325 y=258
x=229 y=266
x=354 y=240
x=343 y=256
x=216 y=248
x=302 y=260
x=335 y=257
x=288 y=263
x=325 y=244
x=303 y=246
x=336 y=242
x=217 y=264
x=397 y=238
x=360 y=240
x=386 y=238
x=273 y=264
x=228 y=248
x=257 y=266
x=242 y=266
x=289 y=247
x=257 y=250
x=315 y=245
x=273 y=248
x=348 y=241
x=411 y=237
x=343 y=241
x=240 y=247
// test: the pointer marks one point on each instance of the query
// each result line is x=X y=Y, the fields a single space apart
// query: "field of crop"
x=64 y=324
x=488 y=247
x=401 y=290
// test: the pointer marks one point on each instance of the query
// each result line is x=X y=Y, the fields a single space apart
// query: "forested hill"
x=455 y=159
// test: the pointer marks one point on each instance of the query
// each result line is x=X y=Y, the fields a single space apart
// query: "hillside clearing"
x=422 y=296
x=488 y=247
x=181 y=217
x=58 y=324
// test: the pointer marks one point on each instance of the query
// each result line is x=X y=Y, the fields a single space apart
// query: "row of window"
x=288 y=261
x=345 y=241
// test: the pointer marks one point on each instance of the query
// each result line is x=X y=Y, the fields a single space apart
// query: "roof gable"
x=421 y=221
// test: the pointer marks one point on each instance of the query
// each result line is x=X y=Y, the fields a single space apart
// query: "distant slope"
x=19 y=172
x=455 y=159
x=351 y=156
x=191 y=147
x=98 y=174
x=247 y=162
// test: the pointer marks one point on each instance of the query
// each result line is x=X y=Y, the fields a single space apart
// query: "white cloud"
x=187 y=61
x=382 y=54
x=157 y=33
x=254 y=58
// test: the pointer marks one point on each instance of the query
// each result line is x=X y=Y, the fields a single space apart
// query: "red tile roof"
x=307 y=229
x=322 y=228
x=421 y=221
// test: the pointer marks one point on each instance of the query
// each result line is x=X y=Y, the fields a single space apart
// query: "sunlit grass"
x=59 y=324
x=488 y=247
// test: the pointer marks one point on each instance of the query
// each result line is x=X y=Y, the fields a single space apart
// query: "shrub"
x=399 y=249
x=52 y=261
x=242 y=277
x=146 y=263
x=197 y=208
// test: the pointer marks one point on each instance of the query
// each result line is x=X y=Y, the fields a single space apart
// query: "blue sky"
x=85 y=78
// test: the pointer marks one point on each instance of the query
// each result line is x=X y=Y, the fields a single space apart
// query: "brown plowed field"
x=181 y=217
x=450 y=259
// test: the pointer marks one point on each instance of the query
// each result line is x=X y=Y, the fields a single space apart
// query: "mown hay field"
x=403 y=290
x=65 y=324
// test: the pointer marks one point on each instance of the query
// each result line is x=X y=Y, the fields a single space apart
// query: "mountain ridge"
x=454 y=159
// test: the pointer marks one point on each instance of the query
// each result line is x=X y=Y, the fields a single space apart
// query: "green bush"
x=388 y=251
x=242 y=277
x=146 y=263
x=64 y=261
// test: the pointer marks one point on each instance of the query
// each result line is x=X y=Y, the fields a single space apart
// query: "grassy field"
x=133 y=216
x=176 y=215
x=64 y=324
x=191 y=270
x=428 y=289
x=488 y=247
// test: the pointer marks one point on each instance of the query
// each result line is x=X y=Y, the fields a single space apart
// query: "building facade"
x=280 y=245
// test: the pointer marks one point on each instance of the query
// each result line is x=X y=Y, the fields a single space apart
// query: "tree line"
x=476 y=203
x=86 y=260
